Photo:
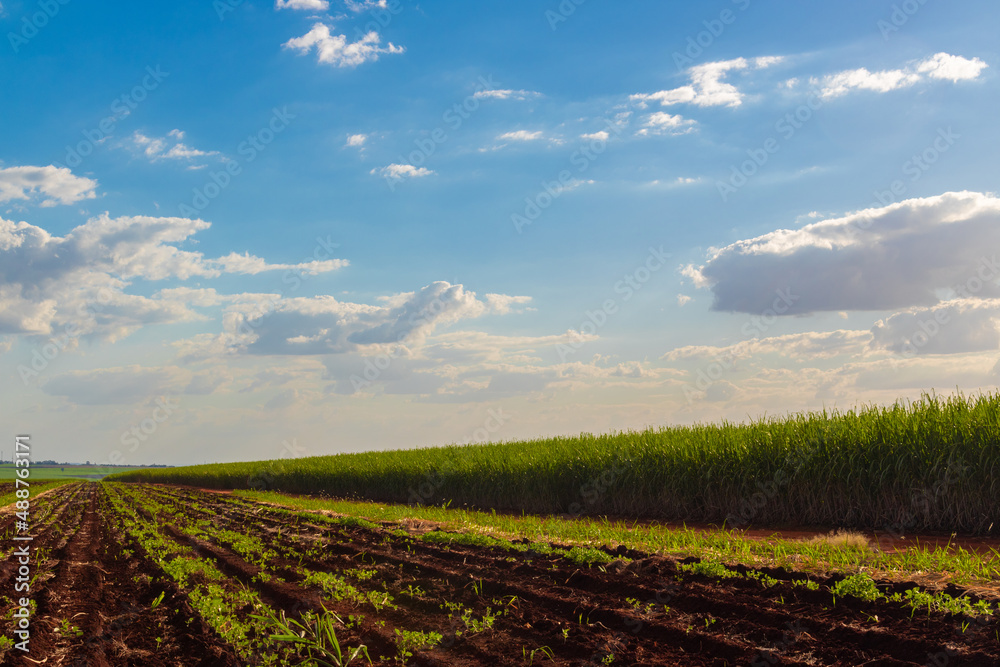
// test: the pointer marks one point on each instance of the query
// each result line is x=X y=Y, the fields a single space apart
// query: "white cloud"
x=596 y=136
x=707 y=88
x=661 y=122
x=520 y=135
x=398 y=171
x=52 y=185
x=80 y=280
x=938 y=66
x=324 y=325
x=247 y=264
x=898 y=256
x=365 y=5
x=316 y=5
x=503 y=94
x=952 y=68
x=168 y=147
x=356 y=140
x=335 y=49
x=683 y=299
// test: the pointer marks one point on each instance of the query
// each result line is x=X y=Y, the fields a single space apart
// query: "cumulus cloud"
x=315 y=5
x=79 y=280
x=324 y=325
x=938 y=66
x=898 y=256
x=168 y=147
x=707 y=87
x=50 y=185
x=400 y=171
x=337 y=51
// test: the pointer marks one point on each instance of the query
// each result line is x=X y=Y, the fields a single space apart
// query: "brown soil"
x=642 y=610
x=95 y=601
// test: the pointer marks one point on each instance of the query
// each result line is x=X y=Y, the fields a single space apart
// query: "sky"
x=242 y=230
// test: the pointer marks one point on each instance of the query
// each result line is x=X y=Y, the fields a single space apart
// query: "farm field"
x=7 y=471
x=163 y=575
x=930 y=465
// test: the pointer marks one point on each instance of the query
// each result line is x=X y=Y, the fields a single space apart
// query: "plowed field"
x=143 y=575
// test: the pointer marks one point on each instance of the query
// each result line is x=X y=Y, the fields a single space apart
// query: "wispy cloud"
x=502 y=94
x=399 y=171
x=168 y=147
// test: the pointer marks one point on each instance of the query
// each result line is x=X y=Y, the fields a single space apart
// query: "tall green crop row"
x=930 y=464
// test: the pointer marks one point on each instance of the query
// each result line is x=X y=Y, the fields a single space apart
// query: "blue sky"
x=244 y=230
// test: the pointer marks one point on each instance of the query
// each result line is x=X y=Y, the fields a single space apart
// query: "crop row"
x=390 y=586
